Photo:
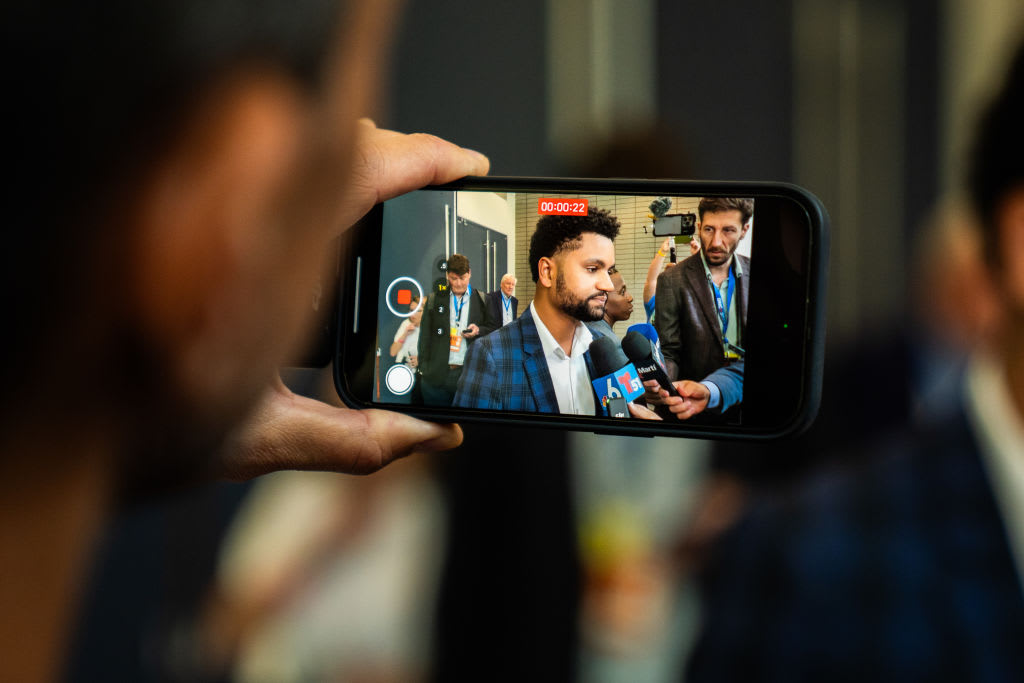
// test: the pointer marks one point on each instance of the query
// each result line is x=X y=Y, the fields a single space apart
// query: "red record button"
x=561 y=206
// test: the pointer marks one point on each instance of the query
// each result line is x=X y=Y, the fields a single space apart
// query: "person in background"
x=651 y=282
x=654 y=270
x=907 y=562
x=406 y=343
x=453 y=319
x=502 y=304
x=702 y=304
x=618 y=308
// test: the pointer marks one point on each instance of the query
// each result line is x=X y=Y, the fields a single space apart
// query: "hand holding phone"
x=292 y=432
x=764 y=294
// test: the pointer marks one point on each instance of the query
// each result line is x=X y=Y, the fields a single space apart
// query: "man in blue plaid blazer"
x=540 y=362
x=507 y=370
x=909 y=565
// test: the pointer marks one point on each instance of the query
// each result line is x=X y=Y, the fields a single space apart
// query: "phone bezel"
x=804 y=345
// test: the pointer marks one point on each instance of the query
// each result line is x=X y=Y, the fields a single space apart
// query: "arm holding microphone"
x=717 y=392
x=728 y=382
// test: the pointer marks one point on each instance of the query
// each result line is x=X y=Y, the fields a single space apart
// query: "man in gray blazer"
x=701 y=305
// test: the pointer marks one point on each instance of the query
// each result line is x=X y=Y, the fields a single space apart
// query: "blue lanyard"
x=723 y=308
x=457 y=304
x=507 y=301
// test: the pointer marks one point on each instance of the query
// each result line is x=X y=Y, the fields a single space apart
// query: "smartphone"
x=430 y=263
x=675 y=224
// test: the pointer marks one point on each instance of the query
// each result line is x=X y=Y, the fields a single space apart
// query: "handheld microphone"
x=618 y=381
x=640 y=351
x=647 y=330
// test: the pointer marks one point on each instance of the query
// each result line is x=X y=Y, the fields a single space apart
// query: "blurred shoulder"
x=899 y=489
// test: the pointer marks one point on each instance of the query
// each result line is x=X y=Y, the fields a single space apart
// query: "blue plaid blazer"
x=506 y=370
x=897 y=568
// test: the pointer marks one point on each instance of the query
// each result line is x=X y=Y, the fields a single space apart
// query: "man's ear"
x=546 y=271
x=204 y=222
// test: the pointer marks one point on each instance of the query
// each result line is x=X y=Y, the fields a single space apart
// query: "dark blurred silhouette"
x=182 y=169
x=901 y=561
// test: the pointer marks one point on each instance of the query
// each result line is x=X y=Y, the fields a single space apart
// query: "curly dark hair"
x=997 y=158
x=555 y=234
x=718 y=204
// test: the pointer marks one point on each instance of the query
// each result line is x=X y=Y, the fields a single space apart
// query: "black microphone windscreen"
x=606 y=356
x=637 y=347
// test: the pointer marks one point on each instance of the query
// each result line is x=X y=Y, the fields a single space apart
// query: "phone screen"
x=484 y=307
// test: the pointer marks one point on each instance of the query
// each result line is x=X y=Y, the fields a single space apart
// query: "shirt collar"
x=1000 y=434
x=580 y=342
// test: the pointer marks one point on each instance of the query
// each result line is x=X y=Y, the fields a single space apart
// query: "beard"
x=717 y=258
x=586 y=310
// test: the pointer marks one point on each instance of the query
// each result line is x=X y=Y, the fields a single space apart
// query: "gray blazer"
x=687 y=322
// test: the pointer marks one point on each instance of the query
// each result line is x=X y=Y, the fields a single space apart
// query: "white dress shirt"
x=506 y=309
x=569 y=373
x=1000 y=435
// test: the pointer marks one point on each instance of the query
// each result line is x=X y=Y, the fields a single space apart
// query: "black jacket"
x=494 y=307
x=435 y=330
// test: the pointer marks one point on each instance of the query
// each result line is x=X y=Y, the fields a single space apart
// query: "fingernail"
x=443 y=442
x=481 y=157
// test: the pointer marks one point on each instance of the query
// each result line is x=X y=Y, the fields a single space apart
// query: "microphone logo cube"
x=629 y=383
x=612 y=390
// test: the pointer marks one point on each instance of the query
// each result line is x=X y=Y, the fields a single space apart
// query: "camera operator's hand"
x=288 y=431
x=292 y=432
x=387 y=164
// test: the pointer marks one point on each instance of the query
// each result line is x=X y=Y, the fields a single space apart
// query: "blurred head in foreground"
x=179 y=174
x=180 y=168
x=997 y=189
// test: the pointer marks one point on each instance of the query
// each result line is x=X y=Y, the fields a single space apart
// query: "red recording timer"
x=560 y=206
